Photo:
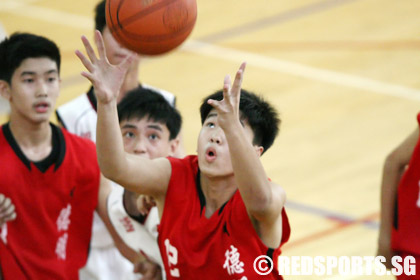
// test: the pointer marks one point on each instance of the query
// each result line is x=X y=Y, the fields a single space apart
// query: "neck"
x=34 y=139
x=217 y=190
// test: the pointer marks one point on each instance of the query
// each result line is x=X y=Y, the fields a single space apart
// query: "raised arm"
x=135 y=173
x=263 y=199
x=394 y=167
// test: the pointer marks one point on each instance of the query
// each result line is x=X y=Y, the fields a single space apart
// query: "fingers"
x=88 y=65
x=237 y=83
x=5 y=205
x=89 y=76
x=7 y=209
x=150 y=201
x=89 y=50
x=226 y=86
x=100 y=45
x=2 y=199
x=145 y=203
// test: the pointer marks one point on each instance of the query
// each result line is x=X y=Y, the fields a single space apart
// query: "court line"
x=337 y=45
x=331 y=215
x=301 y=70
x=283 y=17
x=25 y=9
x=323 y=233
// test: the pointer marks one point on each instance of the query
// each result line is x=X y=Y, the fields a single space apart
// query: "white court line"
x=23 y=8
x=301 y=70
x=265 y=62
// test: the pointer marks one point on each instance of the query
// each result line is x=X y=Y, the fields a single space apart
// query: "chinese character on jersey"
x=63 y=220
x=232 y=262
x=61 y=247
x=3 y=233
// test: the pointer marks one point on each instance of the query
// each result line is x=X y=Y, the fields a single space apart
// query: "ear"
x=174 y=144
x=5 y=90
x=259 y=150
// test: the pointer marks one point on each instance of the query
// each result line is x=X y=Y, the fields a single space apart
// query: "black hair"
x=141 y=102
x=100 y=18
x=261 y=116
x=20 y=46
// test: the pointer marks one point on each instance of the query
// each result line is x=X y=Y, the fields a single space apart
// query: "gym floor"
x=343 y=73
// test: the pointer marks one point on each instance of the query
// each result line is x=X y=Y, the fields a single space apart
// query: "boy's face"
x=213 y=150
x=147 y=138
x=34 y=89
x=114 y=51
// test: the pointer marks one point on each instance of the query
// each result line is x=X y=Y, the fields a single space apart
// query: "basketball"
x=151 y=27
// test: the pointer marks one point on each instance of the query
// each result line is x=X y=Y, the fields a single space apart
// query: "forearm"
x=104 y=191
x=109 y=144
x=130 y=203
x=392 y=172
x=249 y=173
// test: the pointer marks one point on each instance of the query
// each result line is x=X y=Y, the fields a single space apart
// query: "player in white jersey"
x=149 y=127
x=79 y=116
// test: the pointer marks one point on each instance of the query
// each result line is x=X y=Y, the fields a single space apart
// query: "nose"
x=140 y=147
x=42 y=89
x=216 y=138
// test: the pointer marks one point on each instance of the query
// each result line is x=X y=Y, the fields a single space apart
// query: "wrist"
x=384 y=239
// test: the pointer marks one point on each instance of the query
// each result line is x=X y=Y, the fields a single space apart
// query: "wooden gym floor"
x=343 y=73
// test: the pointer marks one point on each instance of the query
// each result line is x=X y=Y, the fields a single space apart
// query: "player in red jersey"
x=231 y=194
x=51 y=176
x=400 y=203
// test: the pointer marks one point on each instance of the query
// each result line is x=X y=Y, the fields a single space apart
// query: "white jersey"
x=141 y=237
x=79 y=117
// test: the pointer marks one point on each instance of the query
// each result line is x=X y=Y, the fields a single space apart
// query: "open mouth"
x=42 y=107
x=211 y=154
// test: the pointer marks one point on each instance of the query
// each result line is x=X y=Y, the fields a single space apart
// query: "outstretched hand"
x=228 y=108
x=105 y=77
x=145 y=203
x=7 y=210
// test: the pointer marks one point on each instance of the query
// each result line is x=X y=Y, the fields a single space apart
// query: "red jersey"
x=54 y=203
x=406 y=230
x=223 y=246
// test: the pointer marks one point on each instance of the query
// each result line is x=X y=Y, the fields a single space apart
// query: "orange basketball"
x=151 y=27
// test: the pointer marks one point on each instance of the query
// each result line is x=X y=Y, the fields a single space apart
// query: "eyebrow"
x=152 y=126
x=34 y=73
x=127 y=125
x=211 y=115
x=155 y=126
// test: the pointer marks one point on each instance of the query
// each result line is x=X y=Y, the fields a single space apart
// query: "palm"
x=228 y=108
x=105 y=77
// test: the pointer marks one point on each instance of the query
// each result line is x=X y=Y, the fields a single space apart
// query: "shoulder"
x=78 y=143
x=74 y=104
x=80 y=157
x=71 y=111
x=188 y=162
x=183 y=171
x=279 y=193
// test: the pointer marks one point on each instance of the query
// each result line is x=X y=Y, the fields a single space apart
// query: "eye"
x=52 y=79
x=210 y=124
x=129 y=135
x=28 y=81
x=153 y=137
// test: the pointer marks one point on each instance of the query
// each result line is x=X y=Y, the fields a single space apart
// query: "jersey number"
x=172 y=254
